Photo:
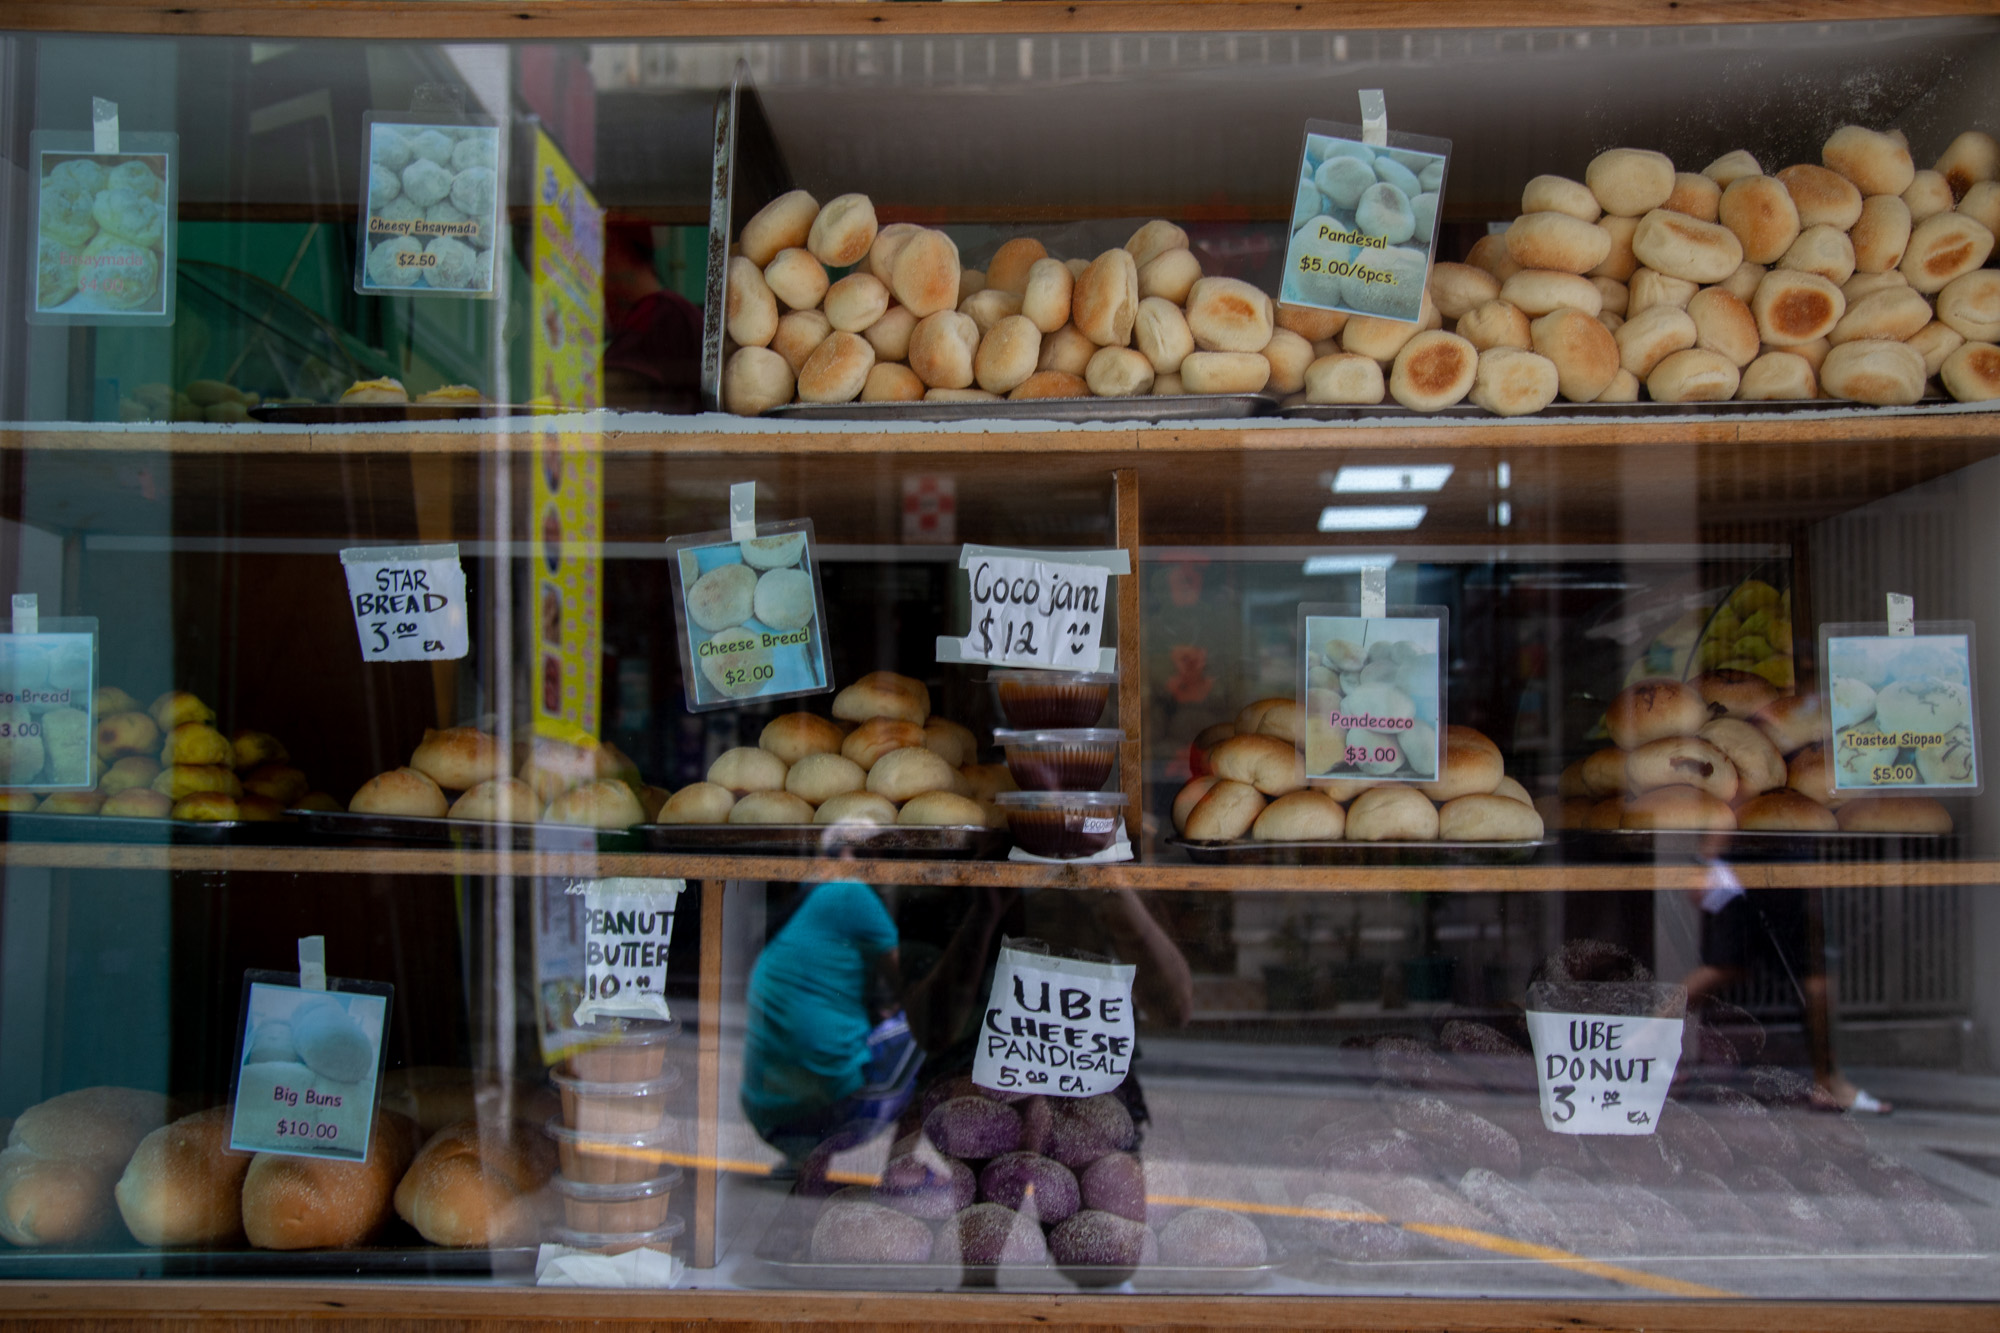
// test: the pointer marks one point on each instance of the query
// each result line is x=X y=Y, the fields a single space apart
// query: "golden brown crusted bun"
x=1942 y=248
x=884 y=694
x=1228 y=315
x=1488 y=818
x=1225 y=372
x=1496 y=323
x=1392 y=814
x=771 y=807
x=1877 y=163
x=1822 y=196
x=1270 y=765
x=942 y=809
x=1694 y=375
x=857 y=807
x=1190 y=796
x=942 y=349
x=816 y=778
x=756 y=380
x=890 y=335
x=207 y=807
x=699 y=803
x=129 y=733
x=1621 y=263
x=1894 y=814
x=1380 y=339
x=1731 y=693
x=1793 y=722
x=1050 y=384
x=1732 y=167
x=988 y=308
x=843 y=231
x=1227 y=811
x=136 y=803
x=785 y=221
x=1471 y=767
x=1171 y=274
x=911 y=771
x=306 y=1203
x=85 y=802
x=1319 y=325
x=1490 y=253
x=183 y=1185
x=400 y=791
x=837 y=370
x=475 y=1183
x=1557 y=241
x=1046 y=300
x=1160 y=332
x=1289 y=355
x=460 y=758
x=793 y=736
x=1630 y=182
x=1970 y=304
x=1300 y=816
x=746 y=769
x=1105 y=299
x=1677 y=808
x=605 y=803
x=1686 y=247
x=174 y=707
x=797 y=279
x=1681 y=761
x=1514 y=791
x=954 y=744
x=1936 y=341
x=498 y=801
x=1603 y=772
x=1793 y=308
x=1784 y=811
x=878 y=736
x=1653 y=709
x=1971 y=372
x=1881 y=374
x=1284 y=720
x=1776 y=376
x=251 y=748
x=1969 y=159
x=63 y=1159
x=1605 y=814
x=1011 y=264
x=855 y=302
x=1118 y=372
x=988 y=780
x=1808 y=773
x=924 y=274
x=1067 y=351
x=1893 y=313
x=1434 y=370
x=1155 y=238
x=1512 y=383
x=197 y=743
x=1724 y=325
x=1761 y=213
x=1558 y=194
x=1583 y=351
x=1456 y=290
x=1698 y=196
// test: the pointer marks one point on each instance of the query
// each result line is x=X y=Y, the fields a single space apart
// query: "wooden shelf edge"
x=474 y=20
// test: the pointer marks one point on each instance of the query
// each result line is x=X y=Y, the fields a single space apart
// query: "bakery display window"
x=1013 y=666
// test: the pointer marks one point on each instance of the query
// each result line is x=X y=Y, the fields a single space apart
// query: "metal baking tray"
x=1750 y=845
x=1244 y=852
x=374 y=414
x=1010 y=1277
x=30 y=826
x=1164 y=407
x=348 y=825
x=415 y=1260
x=950 y=843
x=1730 y=408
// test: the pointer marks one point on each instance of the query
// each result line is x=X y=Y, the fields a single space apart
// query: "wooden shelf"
x=975 y=874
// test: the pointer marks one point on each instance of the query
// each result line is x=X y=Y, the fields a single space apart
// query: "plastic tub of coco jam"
x=614 y=1159
x=1075 y=759
x=620 y=1050
x=1033 y=698
x=637 y=1205
x=615 y=1108
x=660 y=1238
x=1062 y=825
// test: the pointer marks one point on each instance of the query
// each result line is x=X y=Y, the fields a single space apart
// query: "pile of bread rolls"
x=170 y=761
x=881 y=759
x=909 y=322
x=1859 y=279
x=554 y=782
x=1720 y=752
x=1250 y=782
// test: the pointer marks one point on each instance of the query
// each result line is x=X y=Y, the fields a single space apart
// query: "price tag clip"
x=1374 y=118
x=1902 y=616
x=743 y=511
x=103 y=125
x=312 y=962
x=27 y=613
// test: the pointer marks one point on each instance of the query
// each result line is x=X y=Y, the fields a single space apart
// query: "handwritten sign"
x=1028 y=612
x=1603 y=1073
x=1060 y=1026
x=1902 y=709
x=408 y=602
x=48 y=724
x=307 y=1067
x=628 y=930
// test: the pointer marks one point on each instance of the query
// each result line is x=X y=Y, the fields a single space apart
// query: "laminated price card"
x=1901 y=711
x=308 y=1062
x=1374 y=692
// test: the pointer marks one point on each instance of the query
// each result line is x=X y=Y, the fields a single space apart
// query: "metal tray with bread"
x=887 y=842
x=375 y=414
x=1688 y=845
x=1161 y=407
x=414 y=1260
x=1246 y=852
x=1011 y=1277
x=29 y=826
x=349 y=826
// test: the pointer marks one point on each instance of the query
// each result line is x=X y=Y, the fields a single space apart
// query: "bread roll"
x=475 y=1183
x=1490 y=253
x=770 y=807
x=1318 y=325
x=1652 y=710
x=1457 y=289
x=1105 y=300
x=942 y=809
x=888 y=383
x=1559 y=194
x=1583 y=351
x=1778 y=377
x=799 y=332
x=183 y=1186
x=910 y=771
x=1154 y=239
x=750 y=310
x=1226 y=811
x=796 y=278
x=1695 y=375
x=1471 y=765
x=1614 y=297
x=1161 y=334
x=1969 y=159
x=1942 y=248
x=1970 y=304
x=878 y=736
x=837 y=369
x=1344 y=379
x=1620 y=263
x=756 y=380
x=1434 y=370
x=1225 y=372
x=954 y=744
x=1677 y=808
x=942 y=348
x=1488 y=818
x=745 y=769
x=499 y=801
x=1814 y=352
x=1794 y=308
x=1380 y=339
x=1784 y=811
x=400 y=791
x=884 y=694
x=1226 y=315
x=308 y=1203
x=132 y=803
x=858 y=807
x=1270 y=765
x=1608 y=813
x=1392 y=814
x=460 y=757
x=1685 y=761
x=1630 y=182
x=1882 y=235
x=890 y=335
x=1759 y=767
x=1822 y=250
x=1821 y=196
x=784 y=223
x=1014 y=263
x=987 y=308
x=1497 y=323
x=1066 y=350
x=1732 y=693
x=1557 y=241
x=1007 y=354
x=1877 y=163
x=1118 y=372
x=1624 y=388
x=1650 y=288
x=1288 y=353
x=1808 y=772
x=1929 y=195
x=1695 y=195
x=1603 y=772
x=1867 y=284
x=1171 y=275
x=817 y=778
x=1190 y=796
x=1982 y=205
x=698 y=803
x=63 y=1159
x=1301 y=816
x=1724 y=325
x=1051 y=384
x=1763 y=216
x=843 y=231
x=1971 y=374
x=1894 y=814
x=1685 y=247
x=889 y=242
x=1881 y=374
x=924 y=275
x=1535 y=292
x=1250 y=719
x=1892 y=314
x=1653 y=335
x=1732 y=167
x=971 y=282
x=855 y=302
x=605 y=803
x=1511 y=383
x=1935 y=342
x=1046 y=298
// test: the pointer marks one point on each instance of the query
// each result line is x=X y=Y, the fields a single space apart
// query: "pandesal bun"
x=1434 y=370
x=1620 y=263
x=1929 y=195
x=1630 y=182
x=855 y=302
x=1456 y=290
x=1877 y=163
x=1603 y=772
x=1652 y=710
x=796 y=278
x=1882 y=235
x=1695 y=195
x=1821 y=196
x=1559 y=194
x=1066 y=350
x=1881 y=374
x=942 y=348
x=1557 y=241
x=1742 y=284
x=1970 y=303
x=1007 y=354
x=1759 y=767
x=891 y=383
x=1624 y=388
x=1155 y=239
x=1686 y=247
x=1300 y=816
x=843 y=231
x=971 y=282
x=1968 y=160
x=1014 y=263
x=498 y=801
x=799 y=332
x=837 y=369
x=1496 y=323
x=1894 y=814
x=1732 y=167
x=1583 y=351
x=857 y=807
x=605 y=803
x=1724 y=325
x=1392 y=814
x=1814 y=352
x=1694 y=375
x=1762 y=214
x=1790 y=723
x=1971 y=374
x=1171 y=274
x=817 y=778
x=1535 y=292
x=1784 y=811
x=1942 y=248
x=1794 y=308
x=1226 y=811
x=751 y=311
x=1778 y=377
x=784 y=223
x=924 y=275
x=747 y=768
x=942 y=809
x=1615 y=298
x=1046 y=299
x=1471 y=765
x=1823 y=250
x=1344 y=378
x=1677 y=808
x=1270 y=765
x=1686 y=761
x=1510 y=382
x=1380 y=339
x=1288 y=353
x=698 y=803
x=960 y=396
x=1488 y=818
x=867 y=743
x=400 y=791
x=1225 y=372
x=1892 y=314
x=1651 y=336
x=770 y=807
x=1650 y=287
x=756 y=380
x=1935 y=342
x=1490 y=253
x=954 y=744
x=1119 y=372
x=1318 y=325
x=1051 y=384
x=183 y=1186
x=987 y=308
x=1105 y=299
x=1225 y=315
x=889 y=242
x=890 y=335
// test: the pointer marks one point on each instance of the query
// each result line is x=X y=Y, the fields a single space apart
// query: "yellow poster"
x=566 y=513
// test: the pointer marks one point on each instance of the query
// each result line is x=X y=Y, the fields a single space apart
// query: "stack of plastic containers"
x=614 y=1140
x=1061 y=760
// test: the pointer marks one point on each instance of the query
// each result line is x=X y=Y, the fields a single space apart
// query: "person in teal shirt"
x=820 y=1064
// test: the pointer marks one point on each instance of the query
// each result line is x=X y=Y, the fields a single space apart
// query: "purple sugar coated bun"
x=1032 y=1185
x=868 y=1233
x=927 y=1185
x=973 y=1127
x=1212 y=1238
x=987 y=1234
x=1519 y=1213
x=1348 y=1229
x=1081 y=1131
x=1388 y=1152
x=1693 y=1139
x=1133 y=1188
x=960 y=1086
x=1097 y=1239
x=1638 y=1159
x=1037 y=1118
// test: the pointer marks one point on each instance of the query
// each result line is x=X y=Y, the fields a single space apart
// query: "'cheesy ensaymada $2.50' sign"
x=1055 y=1025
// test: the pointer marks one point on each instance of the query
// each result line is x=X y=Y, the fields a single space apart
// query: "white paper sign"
x=408 y=602
x=1035 y=613
x=1603 y=1073
x=1060 y=1026
x=628 y=928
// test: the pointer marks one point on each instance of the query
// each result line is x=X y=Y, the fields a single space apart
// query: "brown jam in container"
x=661 y=1238
x=1069 y=760
x=623 y=1208
x=615 y=1108
x=614 y=1159
x=1041 y=699
x=621 y=1050
x=1063 y=825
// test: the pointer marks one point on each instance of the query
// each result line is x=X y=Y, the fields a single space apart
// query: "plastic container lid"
x=631 y=1240
x=668 y=1134
x=1049 y=676
x=1061 y=800
x=612 y=1031
x=1061 y=736
x=652 y=1087
x=618 y=1192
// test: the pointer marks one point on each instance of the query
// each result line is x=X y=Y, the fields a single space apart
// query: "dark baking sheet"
x=1243 y=852
x=34 y=827
x=387 y=1261
x=1165 y=407
x=1012 y=1277
x=1742 y=845
x=374 y=414
x=349 y=826
x=958 y=843
x=1730 y=408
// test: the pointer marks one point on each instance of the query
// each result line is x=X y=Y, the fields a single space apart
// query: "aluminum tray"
x=1731 y=408
x=1340 y=853
x=953 y=843
x=1011 y=1277
x=34 y=827
x=1747 y=845
x=349 y=826
x=1165 y=407
x=415 y=1260
x=373 y=414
